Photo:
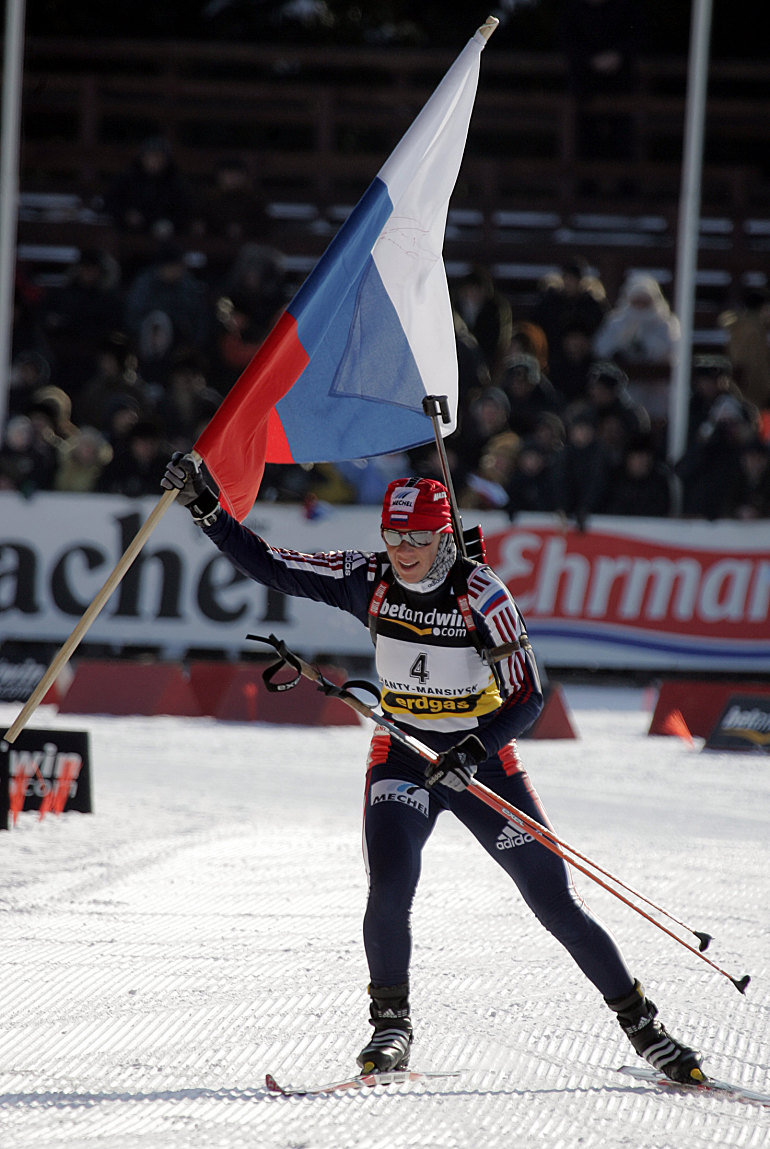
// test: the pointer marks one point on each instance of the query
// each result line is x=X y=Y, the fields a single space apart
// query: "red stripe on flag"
x=234 y=444
x=278 y=449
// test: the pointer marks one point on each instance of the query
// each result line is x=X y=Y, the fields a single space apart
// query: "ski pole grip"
x=437 y=406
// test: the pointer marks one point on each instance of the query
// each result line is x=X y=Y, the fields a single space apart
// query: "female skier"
x=456 y=670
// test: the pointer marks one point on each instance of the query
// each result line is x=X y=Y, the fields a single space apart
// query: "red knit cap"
x=417 y=505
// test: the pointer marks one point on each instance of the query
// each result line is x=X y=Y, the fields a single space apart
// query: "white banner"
x=628 y=593
x=56 y=552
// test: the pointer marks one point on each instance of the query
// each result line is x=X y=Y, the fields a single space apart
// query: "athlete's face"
x=411 y=563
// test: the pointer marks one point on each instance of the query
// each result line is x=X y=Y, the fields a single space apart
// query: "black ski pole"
x=437 y=407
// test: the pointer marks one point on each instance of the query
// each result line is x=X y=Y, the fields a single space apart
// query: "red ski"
x=710 y=1085
x=361 y=1081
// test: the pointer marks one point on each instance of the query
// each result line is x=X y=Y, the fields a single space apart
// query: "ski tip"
x=741 y=983
x=272 y=1084
x=703 y=940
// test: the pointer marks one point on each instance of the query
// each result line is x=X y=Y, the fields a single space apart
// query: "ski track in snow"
x=203 y=927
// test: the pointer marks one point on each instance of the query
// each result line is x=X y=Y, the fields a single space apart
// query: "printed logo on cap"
x=404 y=498
x=402 y=503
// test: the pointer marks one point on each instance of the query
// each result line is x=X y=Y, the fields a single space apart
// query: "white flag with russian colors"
x=370 y=333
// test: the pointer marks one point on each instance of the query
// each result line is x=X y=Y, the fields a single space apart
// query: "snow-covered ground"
x=202 y=928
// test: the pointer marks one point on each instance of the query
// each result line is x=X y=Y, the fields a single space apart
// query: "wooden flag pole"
x=71 y=644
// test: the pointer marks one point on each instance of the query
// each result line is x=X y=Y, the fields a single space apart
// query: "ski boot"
x=652 y=1041
x=390 y=1043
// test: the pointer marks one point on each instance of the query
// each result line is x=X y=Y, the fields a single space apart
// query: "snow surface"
x=203 y=927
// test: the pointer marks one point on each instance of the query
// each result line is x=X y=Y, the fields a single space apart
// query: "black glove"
x=457 y=766
x=184 y=475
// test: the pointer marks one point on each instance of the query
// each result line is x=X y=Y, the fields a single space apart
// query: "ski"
x=710 y=1085
x=361 y=1081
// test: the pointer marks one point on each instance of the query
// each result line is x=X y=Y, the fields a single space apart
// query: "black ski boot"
x=652 y=1041
x=392 y=1038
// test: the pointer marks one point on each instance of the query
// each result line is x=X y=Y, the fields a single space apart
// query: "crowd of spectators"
x=562 y=409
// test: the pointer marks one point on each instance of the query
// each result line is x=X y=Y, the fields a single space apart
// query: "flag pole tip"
x=488 y=27
x=741 y=984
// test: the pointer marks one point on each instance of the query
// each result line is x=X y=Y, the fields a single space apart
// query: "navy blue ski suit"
x=437 y=687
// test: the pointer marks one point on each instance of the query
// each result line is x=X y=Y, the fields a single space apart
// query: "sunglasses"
x=414 y=538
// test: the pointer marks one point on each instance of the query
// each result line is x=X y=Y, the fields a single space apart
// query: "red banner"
x=635 y=586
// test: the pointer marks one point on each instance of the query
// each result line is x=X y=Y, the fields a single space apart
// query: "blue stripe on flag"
x=349 y=327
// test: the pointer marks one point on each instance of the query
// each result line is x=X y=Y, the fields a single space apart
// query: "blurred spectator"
x=641 y=335
x=138 y=463
x=166 y=307
x=318 y=486
x=529 y=393
x=115 y=378
x=369 y=477
x=583 y=469
x=532 y=486
x=571 y=360
x=81 y=461
x=601 y=40
x=473 y=374
x=188 y=402
x=233 y=209
x=574 y=295
x=618 y=418
x=254 y=294
x=327 y=484
x=8 y=477
x=29 y=372
x=121 y=416
x=27 y=333
x=486 y=487
x=711 y=377
x=641 y=328
x=425 y=461
x=549 y=433
x=753 y=491
x=643 y=485
x=710 y=469
x=529 y=339
x=747 y=346
x=488 y=315
x=485 y=417
x=79 y=314
x=27 y=459
x=150 y=196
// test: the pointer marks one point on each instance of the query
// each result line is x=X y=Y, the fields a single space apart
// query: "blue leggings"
x=399 y=817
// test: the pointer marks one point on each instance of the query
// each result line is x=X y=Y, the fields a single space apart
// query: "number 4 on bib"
x=419 y=668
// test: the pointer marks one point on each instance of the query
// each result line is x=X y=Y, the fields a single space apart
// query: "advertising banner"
x=46 y=769
x=634 y=593
x=744 y=724
x=627 y=593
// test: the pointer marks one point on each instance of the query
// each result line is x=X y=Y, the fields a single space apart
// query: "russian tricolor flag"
x=343 y=373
